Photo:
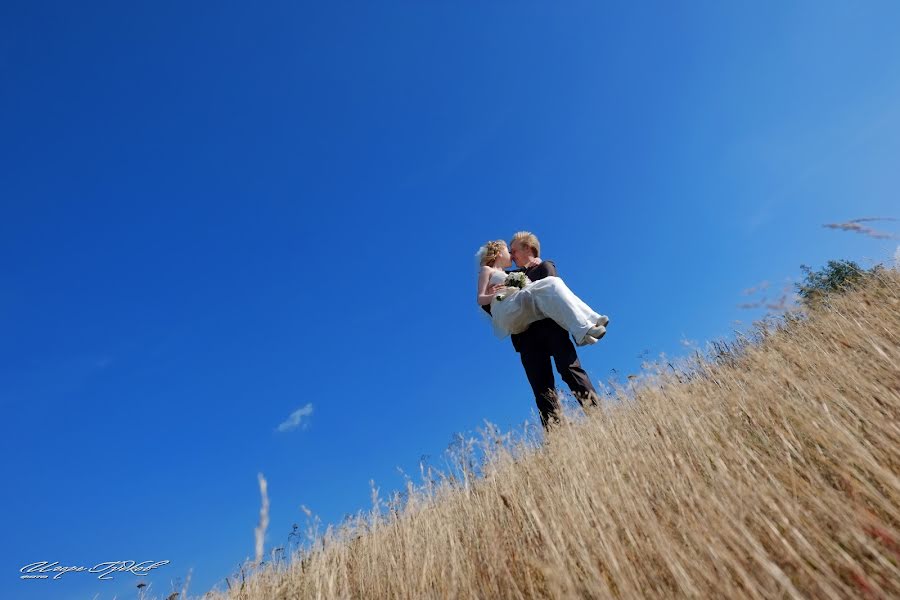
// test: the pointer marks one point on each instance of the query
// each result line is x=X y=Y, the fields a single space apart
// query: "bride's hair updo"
x=488 y=253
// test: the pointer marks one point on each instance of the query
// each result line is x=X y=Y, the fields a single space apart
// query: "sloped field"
x=770 y=472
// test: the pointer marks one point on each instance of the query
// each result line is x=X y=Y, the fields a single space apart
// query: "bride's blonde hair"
x=488 y=253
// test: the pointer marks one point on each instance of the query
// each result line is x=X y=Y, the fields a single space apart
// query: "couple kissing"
x=535 y=307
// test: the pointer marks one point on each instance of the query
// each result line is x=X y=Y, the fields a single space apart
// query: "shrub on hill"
x=835 y=277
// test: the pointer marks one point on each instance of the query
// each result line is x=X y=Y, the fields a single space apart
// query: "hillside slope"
x=771 y=472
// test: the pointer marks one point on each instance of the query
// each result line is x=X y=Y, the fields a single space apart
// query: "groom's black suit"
x=539 y=343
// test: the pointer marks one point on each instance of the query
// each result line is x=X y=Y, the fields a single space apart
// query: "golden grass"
x=770 y=472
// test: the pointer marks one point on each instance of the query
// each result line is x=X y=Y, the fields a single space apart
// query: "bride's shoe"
x=603 y=321
x=593 y=335
x=597 y=332
x=587 y=340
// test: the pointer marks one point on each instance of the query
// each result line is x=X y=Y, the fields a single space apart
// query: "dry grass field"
x=767 y=471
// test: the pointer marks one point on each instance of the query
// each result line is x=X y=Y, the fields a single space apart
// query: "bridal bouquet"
x=516 y=280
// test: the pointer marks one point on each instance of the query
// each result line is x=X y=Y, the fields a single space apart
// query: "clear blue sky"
x=215 y=214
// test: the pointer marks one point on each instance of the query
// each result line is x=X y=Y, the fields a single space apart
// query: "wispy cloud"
x=784 y=299
x=857 y=226
x=688 y=343
x=762 y=286
x=296 y=419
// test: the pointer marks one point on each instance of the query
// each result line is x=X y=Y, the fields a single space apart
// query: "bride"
x=513 y=309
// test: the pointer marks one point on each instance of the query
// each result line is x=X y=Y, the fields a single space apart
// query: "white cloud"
x=296 y=418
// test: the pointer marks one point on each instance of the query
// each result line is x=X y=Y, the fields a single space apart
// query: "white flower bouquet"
x=515 y=280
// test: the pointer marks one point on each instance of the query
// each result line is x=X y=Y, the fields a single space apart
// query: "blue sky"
x=215 y=215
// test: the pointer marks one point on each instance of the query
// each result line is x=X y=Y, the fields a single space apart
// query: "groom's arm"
x=545 y=269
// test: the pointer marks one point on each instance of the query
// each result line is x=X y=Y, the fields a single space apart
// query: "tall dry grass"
x=770 y=471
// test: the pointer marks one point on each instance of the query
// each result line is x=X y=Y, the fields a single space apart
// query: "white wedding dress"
x=545 y=298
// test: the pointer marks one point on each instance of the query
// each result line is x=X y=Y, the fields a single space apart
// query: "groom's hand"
x=495 y=288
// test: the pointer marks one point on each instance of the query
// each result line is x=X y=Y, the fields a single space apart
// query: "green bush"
x=835 y=277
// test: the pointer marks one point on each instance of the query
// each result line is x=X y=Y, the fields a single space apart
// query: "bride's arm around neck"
x=484 y=284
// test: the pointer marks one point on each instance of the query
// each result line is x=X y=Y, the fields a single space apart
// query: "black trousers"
x=540 y=375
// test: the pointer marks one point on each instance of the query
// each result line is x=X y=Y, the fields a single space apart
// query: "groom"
x=545 y=339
